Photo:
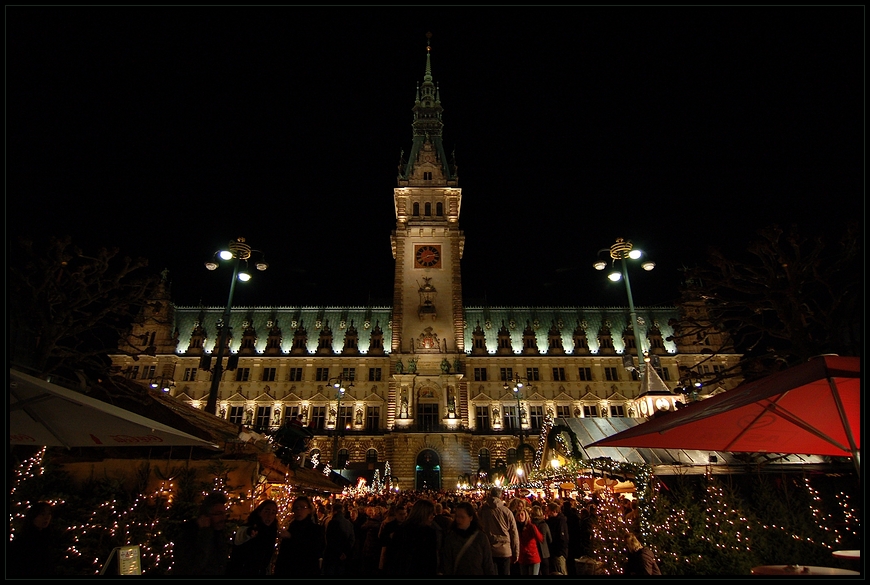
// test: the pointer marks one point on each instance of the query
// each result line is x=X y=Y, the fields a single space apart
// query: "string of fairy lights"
x=144 y=520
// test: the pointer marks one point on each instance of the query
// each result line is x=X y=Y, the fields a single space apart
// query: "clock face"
x=427 y=256
x=643 y=408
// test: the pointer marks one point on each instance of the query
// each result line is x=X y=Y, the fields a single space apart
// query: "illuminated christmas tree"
x=608 y=534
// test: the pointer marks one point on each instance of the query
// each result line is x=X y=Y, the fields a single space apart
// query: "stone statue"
x=400 y=367
x=412 y=366
x=445 y=366
x=403 y=409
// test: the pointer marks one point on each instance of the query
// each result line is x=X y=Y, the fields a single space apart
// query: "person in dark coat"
x=35 y=551
x=575 y=535
x=414 y=549
x=388 y=528
x=371 y=545
x=204 y=546
x=254 y=544
x=641 y=560
x=465 y=549
x=302 y=543
x=340 y=539
x=558 y=524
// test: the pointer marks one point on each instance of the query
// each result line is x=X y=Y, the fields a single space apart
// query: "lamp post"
x=239 y=252
x=623 y=250
x=337 y=383
x=514 y=385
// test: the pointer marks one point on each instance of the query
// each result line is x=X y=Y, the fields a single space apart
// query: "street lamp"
x=623 y=250
x=515 y=385
x=163 y=383
x=240 y=252
x=338 y=383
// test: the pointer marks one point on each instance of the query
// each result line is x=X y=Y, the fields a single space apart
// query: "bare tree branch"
x=67 y=310
x=786 y=298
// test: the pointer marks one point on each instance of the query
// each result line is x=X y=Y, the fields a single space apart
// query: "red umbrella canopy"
x=813 y=409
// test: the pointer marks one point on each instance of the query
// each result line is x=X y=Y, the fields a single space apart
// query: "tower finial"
x=428 y=41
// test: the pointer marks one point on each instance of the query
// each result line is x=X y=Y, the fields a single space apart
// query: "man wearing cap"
x=500 y=527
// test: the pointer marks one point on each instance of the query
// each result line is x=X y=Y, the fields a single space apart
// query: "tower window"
x=427 y=176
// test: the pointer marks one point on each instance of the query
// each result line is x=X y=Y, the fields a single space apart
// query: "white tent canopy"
x=42 y=413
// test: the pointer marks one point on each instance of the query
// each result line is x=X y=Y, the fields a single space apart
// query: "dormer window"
x=427 y=176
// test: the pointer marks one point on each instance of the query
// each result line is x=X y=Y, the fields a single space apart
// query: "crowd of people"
x=415 y=534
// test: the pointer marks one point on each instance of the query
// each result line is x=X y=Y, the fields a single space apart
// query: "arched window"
x=371 y=456
x=416 y=209
x=439 y=209
x=427 y=209
x=343 y=457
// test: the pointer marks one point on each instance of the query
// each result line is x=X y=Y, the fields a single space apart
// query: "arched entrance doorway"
x=428 y=471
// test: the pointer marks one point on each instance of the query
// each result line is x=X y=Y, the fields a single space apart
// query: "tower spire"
x=427 y=125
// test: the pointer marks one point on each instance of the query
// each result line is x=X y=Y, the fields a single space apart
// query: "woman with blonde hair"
x=530 y=537
x=641 y=560
x=540 y=521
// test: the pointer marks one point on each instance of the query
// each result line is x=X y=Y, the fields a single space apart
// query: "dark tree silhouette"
x=67 y=310
x=786 y=298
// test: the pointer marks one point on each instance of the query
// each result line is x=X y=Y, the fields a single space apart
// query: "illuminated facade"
x=431 y=377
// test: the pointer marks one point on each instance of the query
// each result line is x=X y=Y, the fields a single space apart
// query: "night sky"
x=166 y=132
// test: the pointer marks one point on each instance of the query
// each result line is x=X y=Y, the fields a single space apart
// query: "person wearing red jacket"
x=530 y=536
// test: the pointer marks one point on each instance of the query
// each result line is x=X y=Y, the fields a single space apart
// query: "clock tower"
x=428 y=335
